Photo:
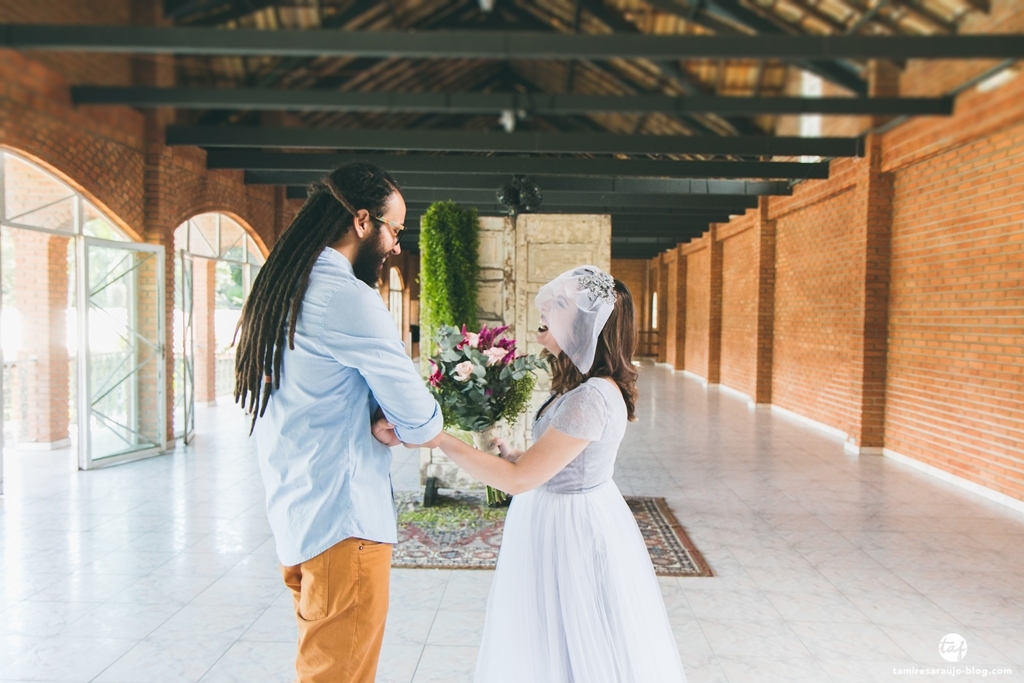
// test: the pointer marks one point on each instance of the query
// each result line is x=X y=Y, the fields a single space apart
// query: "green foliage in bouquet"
x=478 y=379
x=450 y=245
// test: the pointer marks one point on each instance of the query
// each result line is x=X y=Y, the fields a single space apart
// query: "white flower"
x=464 y=370
x=494 y=355
x=473 y=339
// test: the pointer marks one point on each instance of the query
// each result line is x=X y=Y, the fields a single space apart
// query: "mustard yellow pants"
x=341 y=604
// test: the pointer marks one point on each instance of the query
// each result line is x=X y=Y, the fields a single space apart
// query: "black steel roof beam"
x=608 y=70
x=269 y=99
x=676 y=76
x=469 y=141
x=731 y=12
x=458 y=164
x=634 y=240
x=176 y=9
x=682 y=230
x=490 y=205
x=683 y=80
x=437 y=181
x=636 y=253
x=287 y=65
x=839 y=72
x=420 y=200
x=553 y=198
x=499 y=44
x=579 y=122
x=225 y=12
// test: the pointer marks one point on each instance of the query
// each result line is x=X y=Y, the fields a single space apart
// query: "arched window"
x=35 y=199
x=82 y=315
x=654 y=310
x=395 y=296
x=230 y=259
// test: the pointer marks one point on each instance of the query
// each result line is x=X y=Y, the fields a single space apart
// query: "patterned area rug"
x=461 y=532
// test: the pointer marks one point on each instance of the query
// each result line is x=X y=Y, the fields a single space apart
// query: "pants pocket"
x=313 y=591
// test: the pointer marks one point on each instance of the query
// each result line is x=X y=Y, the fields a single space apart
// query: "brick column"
x=41 y=297
x=675 y=309
x=204 y=358
x=661 y=273
x=765 y=304
x=715 y=308
x=670 y=261
x=876 y=212
x=159 y=229
x=147 y=279
x=159 y=190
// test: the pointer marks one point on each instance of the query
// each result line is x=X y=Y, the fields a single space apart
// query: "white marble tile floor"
x=829 y=567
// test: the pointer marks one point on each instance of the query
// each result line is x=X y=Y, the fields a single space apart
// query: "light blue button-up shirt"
x=327 y=478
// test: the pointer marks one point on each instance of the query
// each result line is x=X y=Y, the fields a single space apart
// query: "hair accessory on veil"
x=575 y=307
x=601 y=285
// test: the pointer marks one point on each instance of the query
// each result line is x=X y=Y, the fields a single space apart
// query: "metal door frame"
x=188 y=347
x=85 y=459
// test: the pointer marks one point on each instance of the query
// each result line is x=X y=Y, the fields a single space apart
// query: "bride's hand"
x=506 y=451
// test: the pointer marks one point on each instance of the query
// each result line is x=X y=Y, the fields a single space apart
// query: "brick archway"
x=218 y=252
x=43 y=213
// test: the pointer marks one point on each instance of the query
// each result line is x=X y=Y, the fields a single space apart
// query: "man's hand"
x=383 y=430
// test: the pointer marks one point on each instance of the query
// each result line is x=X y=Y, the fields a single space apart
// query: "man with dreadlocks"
x=322 y=370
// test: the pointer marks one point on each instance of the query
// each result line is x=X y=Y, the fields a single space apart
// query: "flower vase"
x=484 y=441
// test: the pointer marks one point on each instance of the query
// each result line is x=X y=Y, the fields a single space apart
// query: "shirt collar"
x=338 y=259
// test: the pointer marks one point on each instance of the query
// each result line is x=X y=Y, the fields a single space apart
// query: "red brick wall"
x=204 y=349
x=635 y=274
x=95 y=68
x=115 y=156
x=924 y=78
x=955 y=395
x=674 y=333
x=660 y=276
x=698 y=305
x=739 y=305
x=818 y=289
x=899 y=286
x=40 y=295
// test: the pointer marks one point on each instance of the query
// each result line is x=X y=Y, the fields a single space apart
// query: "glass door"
x=122 y=396
x=184 y=367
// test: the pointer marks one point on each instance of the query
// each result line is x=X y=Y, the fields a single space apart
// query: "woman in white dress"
x=574 y=598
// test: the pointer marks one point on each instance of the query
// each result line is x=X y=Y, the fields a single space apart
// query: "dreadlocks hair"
x=272 y=308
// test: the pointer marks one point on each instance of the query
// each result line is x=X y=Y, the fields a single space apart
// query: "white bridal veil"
x=575 y=307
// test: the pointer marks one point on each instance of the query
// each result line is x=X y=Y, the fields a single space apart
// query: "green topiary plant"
x=449 y=245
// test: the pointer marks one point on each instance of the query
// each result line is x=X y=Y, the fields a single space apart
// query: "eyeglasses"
x=396 y=228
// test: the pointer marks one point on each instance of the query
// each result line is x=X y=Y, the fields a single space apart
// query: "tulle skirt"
x=575 y=598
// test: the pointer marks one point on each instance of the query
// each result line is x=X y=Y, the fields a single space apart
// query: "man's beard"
x=370 y=259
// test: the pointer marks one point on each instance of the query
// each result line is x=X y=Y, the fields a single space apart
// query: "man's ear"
x=361 y=223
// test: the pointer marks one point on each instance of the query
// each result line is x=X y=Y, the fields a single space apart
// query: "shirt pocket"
x=313 y=589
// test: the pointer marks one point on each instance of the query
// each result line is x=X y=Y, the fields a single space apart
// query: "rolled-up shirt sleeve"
x=359 y=332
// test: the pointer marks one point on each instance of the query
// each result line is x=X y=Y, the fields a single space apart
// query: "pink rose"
x=494 y=355
x=473 y=339
x=464 y=370
x=436 y=377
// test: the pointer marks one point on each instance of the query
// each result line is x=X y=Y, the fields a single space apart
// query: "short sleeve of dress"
x=582 y=414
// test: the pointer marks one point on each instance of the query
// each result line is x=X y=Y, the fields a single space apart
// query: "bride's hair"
x=612 y=359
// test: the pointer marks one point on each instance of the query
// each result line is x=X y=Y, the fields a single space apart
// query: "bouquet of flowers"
x=478 y=380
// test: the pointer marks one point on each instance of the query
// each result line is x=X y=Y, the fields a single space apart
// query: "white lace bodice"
x=594 y=411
